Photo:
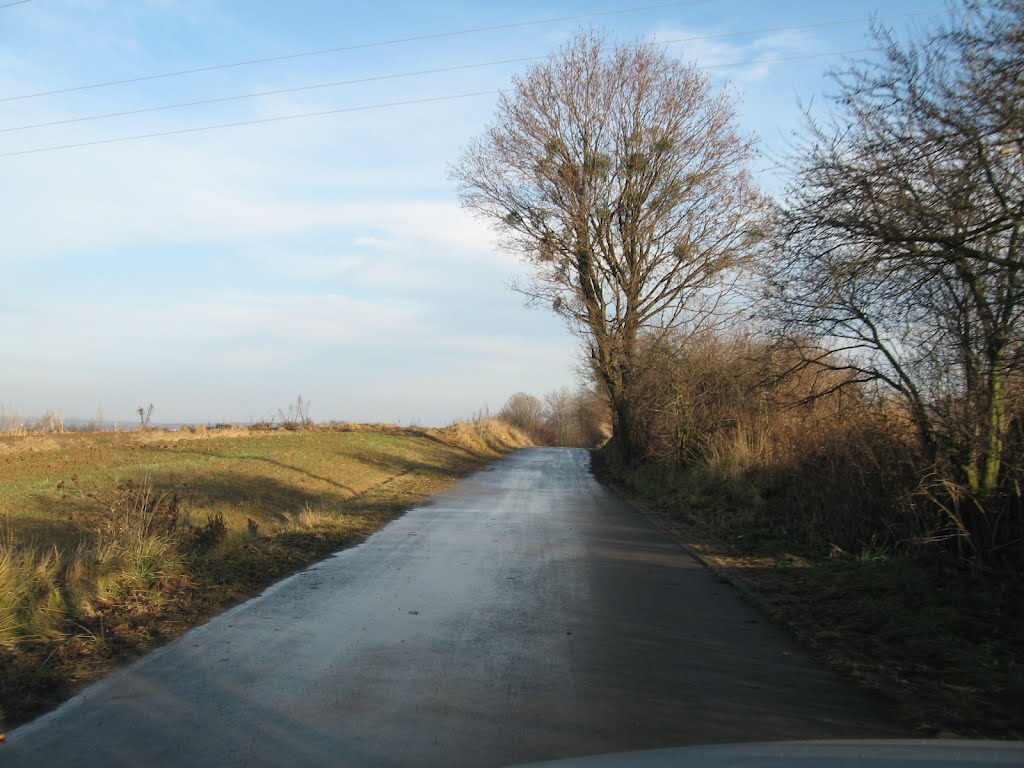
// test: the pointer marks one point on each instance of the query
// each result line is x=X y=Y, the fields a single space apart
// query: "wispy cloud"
x=738 y=58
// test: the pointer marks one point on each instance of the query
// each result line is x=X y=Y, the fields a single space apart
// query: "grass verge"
x=114 y=543
x=945 y=645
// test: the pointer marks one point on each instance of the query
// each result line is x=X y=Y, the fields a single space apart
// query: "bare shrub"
x=145 y=414
x=138 y=510
x=206 y=537
x=296 y=416
x=523 y=411
x=136 y=556
x=691 y=388
x=827 y=464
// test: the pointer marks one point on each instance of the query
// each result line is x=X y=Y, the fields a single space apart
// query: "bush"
x=207 y=537
x=824 y=462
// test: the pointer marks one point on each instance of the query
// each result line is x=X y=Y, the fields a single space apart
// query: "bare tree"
x=903 y=238
x=522 y=410
x=145 y=414
x=563 y=416
x=617 y=173
x=297 y=415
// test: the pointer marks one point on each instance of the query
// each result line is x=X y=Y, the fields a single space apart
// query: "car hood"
x=863 y=753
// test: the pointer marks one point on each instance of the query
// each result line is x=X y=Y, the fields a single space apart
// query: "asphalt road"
x=527 y=614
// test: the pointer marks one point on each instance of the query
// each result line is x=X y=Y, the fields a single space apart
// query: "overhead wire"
x=369 y=107
x=279 y=118
x=438 y=70
x=359 y=46
x=275 y=92
x=16 y=2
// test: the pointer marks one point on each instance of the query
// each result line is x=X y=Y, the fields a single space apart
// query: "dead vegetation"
x=579 y=419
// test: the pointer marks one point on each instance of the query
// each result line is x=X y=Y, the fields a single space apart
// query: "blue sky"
x=218 y=274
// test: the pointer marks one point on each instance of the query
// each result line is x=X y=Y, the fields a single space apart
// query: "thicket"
x=810 y=457
x=579 y=419
x=899 y=253
x=822 y=488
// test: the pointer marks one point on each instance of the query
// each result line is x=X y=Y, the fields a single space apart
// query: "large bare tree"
x=904 y=248
x=618 y=173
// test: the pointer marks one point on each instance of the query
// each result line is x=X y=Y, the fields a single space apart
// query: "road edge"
x=671 y=528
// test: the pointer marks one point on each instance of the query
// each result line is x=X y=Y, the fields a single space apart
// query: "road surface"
x=527 y=614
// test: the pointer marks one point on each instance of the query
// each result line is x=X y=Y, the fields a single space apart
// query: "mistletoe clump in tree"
x=617 y=172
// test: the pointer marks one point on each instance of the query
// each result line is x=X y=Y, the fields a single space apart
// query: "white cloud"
x=374 y=243
x=197 y=189
x=737 y=58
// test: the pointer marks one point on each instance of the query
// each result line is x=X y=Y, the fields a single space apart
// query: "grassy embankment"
x=115 y=542
x=946 y=646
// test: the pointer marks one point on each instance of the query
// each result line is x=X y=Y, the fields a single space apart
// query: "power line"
x=272 y=93
x=358 y=46
x=460 y=67
x=17 y=2
x=369 y=107
x=252 y=122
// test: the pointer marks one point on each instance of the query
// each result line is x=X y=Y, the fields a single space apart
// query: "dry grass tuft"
x=130 y=563
x=312 y=518
x=31 y=602
x=136 y=573
x=484 y=435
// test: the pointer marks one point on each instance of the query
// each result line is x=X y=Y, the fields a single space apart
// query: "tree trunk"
x=622 y=429
x=994 y=428
x=614 y=376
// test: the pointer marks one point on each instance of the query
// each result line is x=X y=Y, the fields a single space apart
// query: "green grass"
x=54 y=496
